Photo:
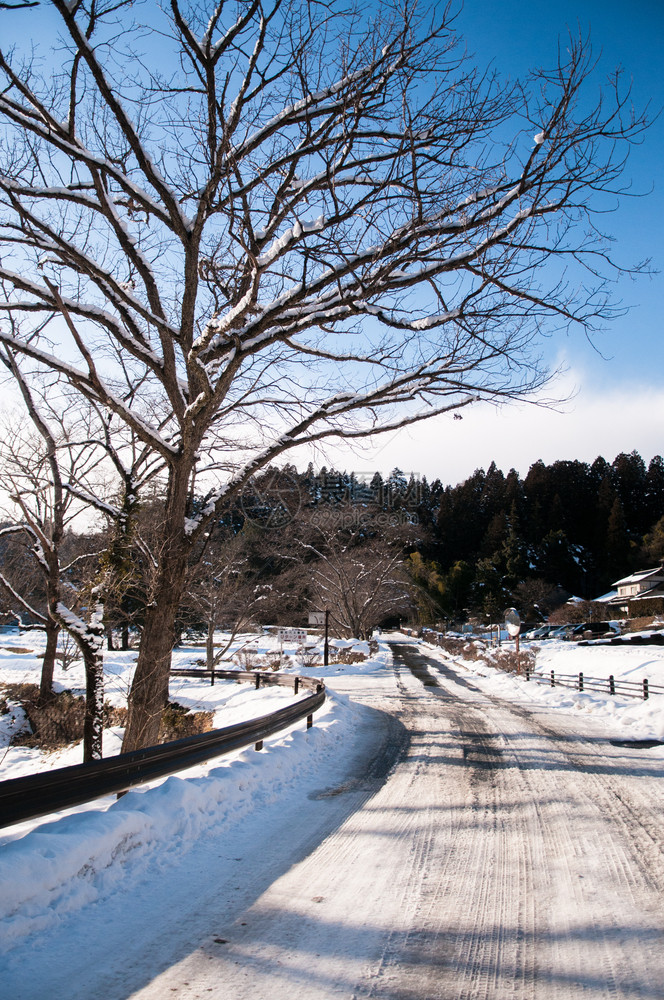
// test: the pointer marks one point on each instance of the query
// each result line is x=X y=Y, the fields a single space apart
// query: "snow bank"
x=50 y=869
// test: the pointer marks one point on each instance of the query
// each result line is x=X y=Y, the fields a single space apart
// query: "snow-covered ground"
x=52 y=870
x=634 y=718
x=55 y=865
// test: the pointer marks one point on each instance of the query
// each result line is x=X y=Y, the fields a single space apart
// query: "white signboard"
x=298 y=635
x=316 y=617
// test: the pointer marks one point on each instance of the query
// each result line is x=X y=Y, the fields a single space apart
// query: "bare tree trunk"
x=209 y=644
x=90 y=639
x=94 y=703
x=48 y=666
x=149 y=690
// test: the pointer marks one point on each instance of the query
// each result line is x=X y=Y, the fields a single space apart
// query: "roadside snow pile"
x=83 y=856
x=51 y=868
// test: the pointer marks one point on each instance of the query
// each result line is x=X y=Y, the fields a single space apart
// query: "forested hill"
x=498 y=537
x=433 y=551
x=577 y=525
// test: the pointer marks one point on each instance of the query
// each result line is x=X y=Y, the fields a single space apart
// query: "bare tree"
x=130 y=502
x=360 y=583
x=224 y=591
x=320 y=223
x=36 y=464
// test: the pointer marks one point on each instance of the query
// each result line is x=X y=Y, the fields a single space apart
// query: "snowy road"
x=481 y=850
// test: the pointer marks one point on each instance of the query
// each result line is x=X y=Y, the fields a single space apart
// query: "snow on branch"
x=21 y=600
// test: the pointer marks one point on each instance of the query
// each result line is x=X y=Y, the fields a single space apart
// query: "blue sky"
x=514 y=35
x=617 y=384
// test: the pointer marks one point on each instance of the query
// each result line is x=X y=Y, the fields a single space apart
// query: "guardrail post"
x=612 y=684
x=259 y=745
x=580 y=682
x=645 y=689
x=296 y=685
x=310 y=721
x=258 y=681
x=553 y=680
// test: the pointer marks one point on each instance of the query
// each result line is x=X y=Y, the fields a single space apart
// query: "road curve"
x=503 y=853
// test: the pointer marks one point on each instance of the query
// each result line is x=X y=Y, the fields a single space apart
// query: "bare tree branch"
x=315 y=224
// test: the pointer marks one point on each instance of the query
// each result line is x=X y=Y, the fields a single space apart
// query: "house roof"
x=605 y=598
x=639 y=575
x=657 y=591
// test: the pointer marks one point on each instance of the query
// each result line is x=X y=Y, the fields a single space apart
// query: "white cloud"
x=597 y=421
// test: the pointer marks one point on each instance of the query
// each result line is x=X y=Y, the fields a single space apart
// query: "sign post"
x=326 y=647
x=322 y=618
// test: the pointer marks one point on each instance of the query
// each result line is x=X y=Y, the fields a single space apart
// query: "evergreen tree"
x=654 y=490
x=617 y=542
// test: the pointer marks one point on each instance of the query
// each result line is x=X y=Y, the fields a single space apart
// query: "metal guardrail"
x=38 y=794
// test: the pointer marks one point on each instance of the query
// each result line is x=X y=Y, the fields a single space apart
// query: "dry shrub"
x=513 y=662
x=55 y=723
x=177 y=722
x=348 y=656
x=501 y=657
x=645 y=623
x=474 y=650
x=114 y=716
x=21 y=692
x=309 y=656
x=250 y=661
x=247 y=659
x=60 y=721
x=462 y=648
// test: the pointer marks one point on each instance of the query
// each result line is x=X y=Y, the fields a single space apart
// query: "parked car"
x=594 y=630
x=541 y=632
x=561 y=631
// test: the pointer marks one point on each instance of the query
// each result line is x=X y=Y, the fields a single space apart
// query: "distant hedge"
x=646 y=606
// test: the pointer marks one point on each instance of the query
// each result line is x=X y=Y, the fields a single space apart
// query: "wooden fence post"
x=580 y=682
x=612 y=684
x=645 y=689
x=553 y=680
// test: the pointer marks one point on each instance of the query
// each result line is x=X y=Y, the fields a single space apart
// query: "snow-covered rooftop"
x=640 y=574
